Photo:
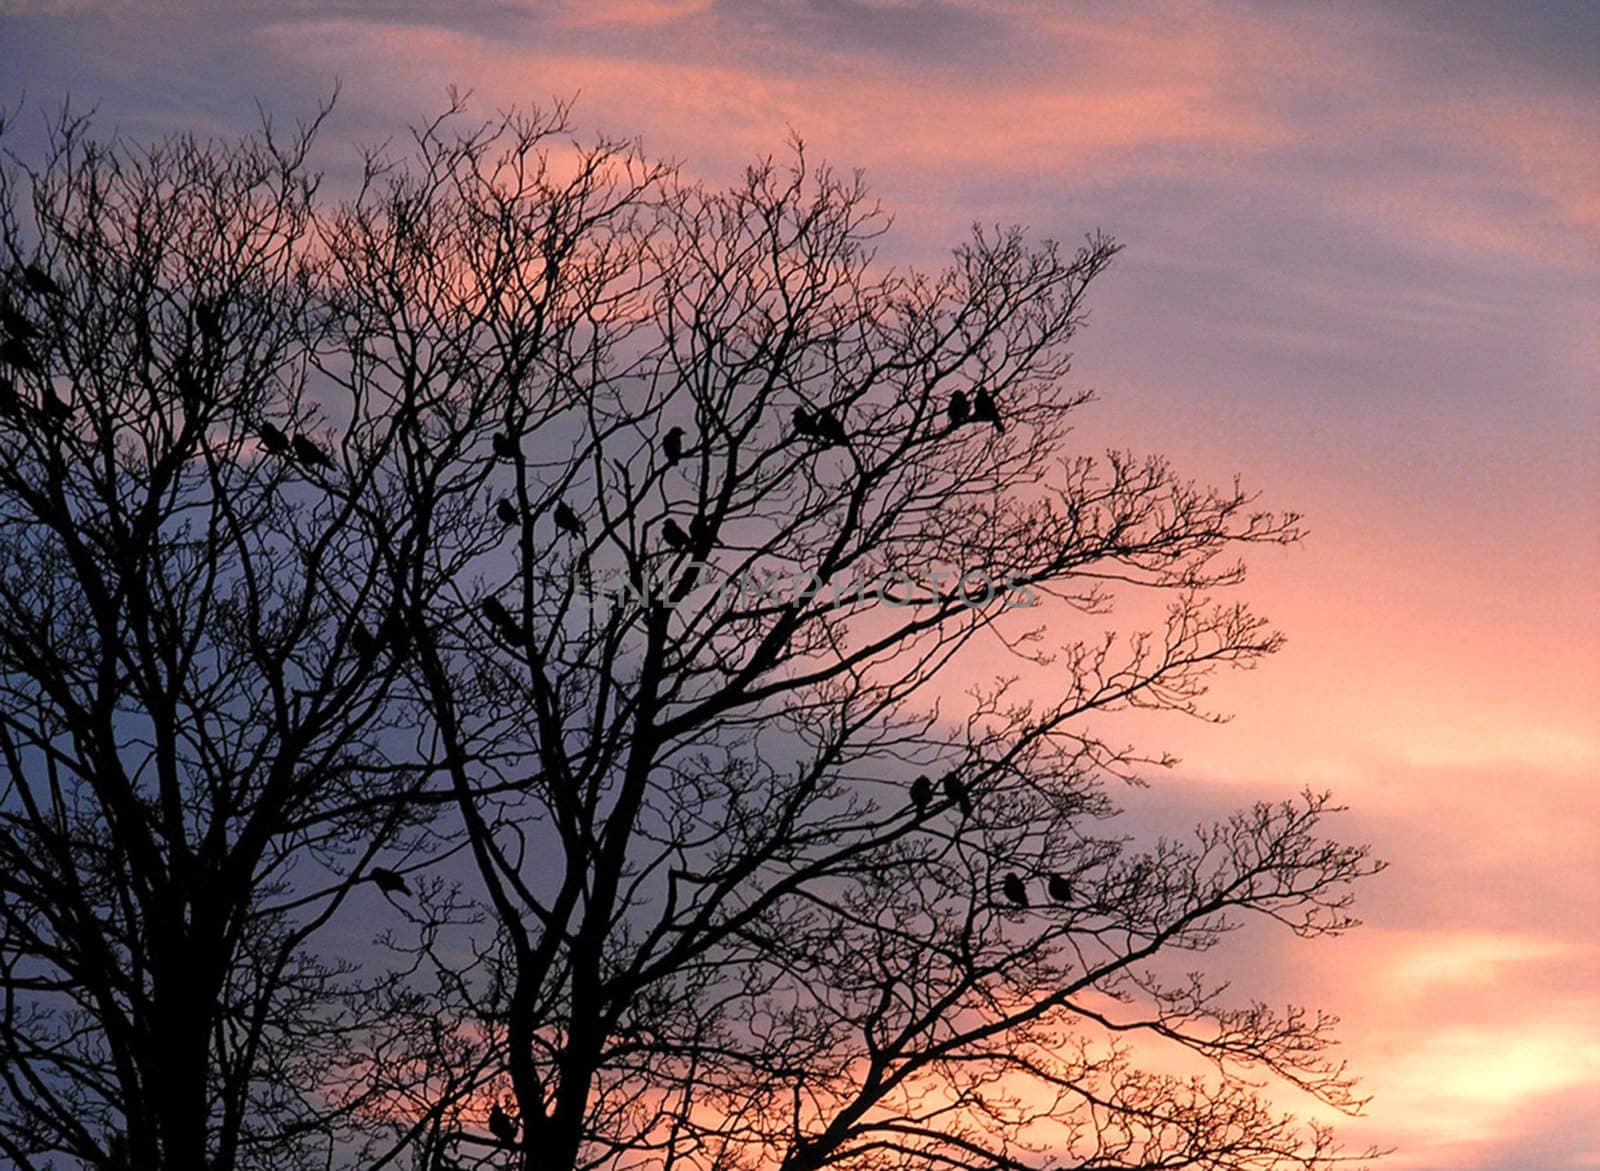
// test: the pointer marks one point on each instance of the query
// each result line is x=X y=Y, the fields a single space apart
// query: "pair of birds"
x=980 y=408
x=954 y=791
x=823 y=425
x=1016 y=891
x=392 y=632
x=566 y=520
x=700 y=532
x=302 y=446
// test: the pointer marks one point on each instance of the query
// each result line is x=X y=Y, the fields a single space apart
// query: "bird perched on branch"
x=956 y=792
x=804 y=424
x=10 y=404
x=672 y=446
x=672 y=533
x=308 y=453
x=502 y=1125
x=56 y=408
x=567 y=520
x=505 y=447
x=16 y=324
x=37 y=280
x=388 y=881
x=273 y=440
x=702 y=531
x=507 y=512
x=15 y=352
x=1060 y=888
x=985 y=411
x=922 y=793
x=208 y=320
x=1011 y=886
x=830 y=428
x=366 y=643
x=959 y=410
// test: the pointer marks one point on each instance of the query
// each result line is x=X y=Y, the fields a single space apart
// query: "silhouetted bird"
x=38 y=280
x=1060 y=888
x=10 y=404
x=959 y=410
x=672 y=446
x=830 y=428
x=504 y=446
x=15 y=323
x=922 y=793
x=273 y=440
x=507 y=512
x=495 y=612
x=984 y=410
x=672 y=533
x=394 y=633
x=365 y=642
x=1011 y=886
x=502 y=1125
x=209 y=321
x=955 y=791
x=15 y=352
x=388 y=881
x=55 y=408
x=308 y=453
x=567 y=520
x=702 y=531
x=804 y=424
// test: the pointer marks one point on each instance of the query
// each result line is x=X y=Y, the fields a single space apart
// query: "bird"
x=38 y=280
x=803 y=423
x=273 y=440
x=959 y=410
x=502 y=1125
x=209 y=321
x=672 y=533
x=310 y=454
x=394 y=632
x=567 y=520
x=922 y=793
x=984 y=410
x=1060 y=888
x=17 y=325
x=365 y=642
x=496 y=612
x=504 y=445
x=15 y=352
x=955 y=791
x=672 y=446
x=57 y=408
x=1011 y=886
x=507 y=512
x=702 y=531
x=10 y=404
x=830 y=428
x=388 y=881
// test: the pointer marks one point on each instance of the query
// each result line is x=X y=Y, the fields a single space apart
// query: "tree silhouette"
x=685 y=786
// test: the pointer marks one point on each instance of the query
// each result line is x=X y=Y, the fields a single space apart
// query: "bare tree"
x=764 y=899
x=598 y=563
x=205 y=726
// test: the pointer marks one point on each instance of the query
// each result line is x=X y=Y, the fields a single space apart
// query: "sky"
x=1362 y=270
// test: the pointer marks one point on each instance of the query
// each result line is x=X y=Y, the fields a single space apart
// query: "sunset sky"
x=1362 y=271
